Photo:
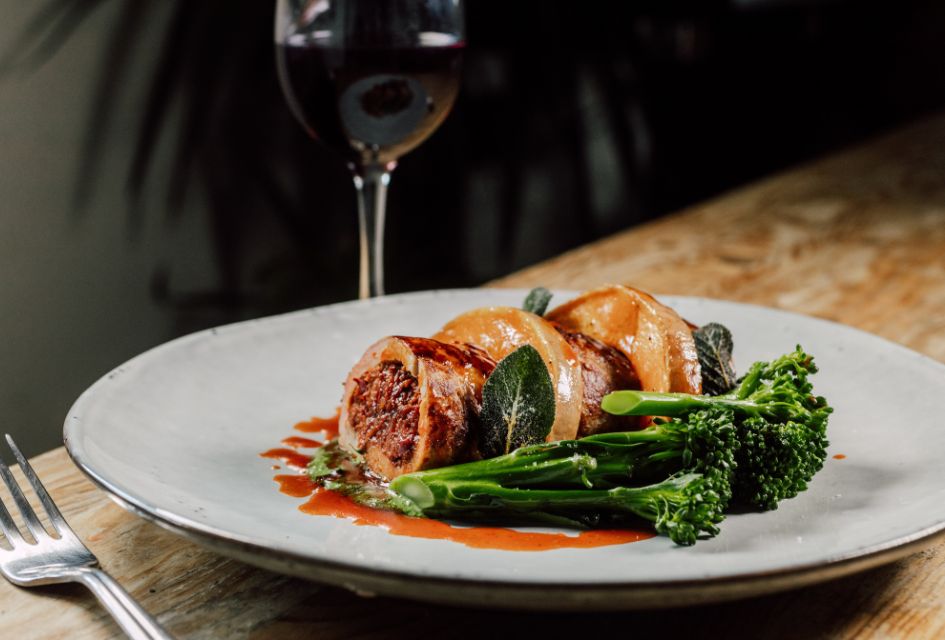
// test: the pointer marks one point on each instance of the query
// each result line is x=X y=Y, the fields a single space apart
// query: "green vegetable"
x=714 y=347
x=705 y=442
x=338 y=469
x=780 y=424
x=537 y=301
x=681 y=507
x=333 y=460
x=518 y=403
x=584 y=482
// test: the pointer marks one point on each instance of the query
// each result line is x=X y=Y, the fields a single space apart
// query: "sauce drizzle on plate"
x=331 y=503
x=290 y=457
x=327 y=426
x=298 y=442
x=322 y=502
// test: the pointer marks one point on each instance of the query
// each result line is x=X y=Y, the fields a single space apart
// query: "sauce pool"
x=839 y=456
x=322 y=502
x=331 y=503
x=298 y=442
x=290 y=457
x=295 y=486
x=326 y=426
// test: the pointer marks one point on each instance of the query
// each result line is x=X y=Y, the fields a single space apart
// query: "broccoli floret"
x=780 y=425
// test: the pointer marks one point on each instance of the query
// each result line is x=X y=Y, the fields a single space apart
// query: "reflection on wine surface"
x=372 y=105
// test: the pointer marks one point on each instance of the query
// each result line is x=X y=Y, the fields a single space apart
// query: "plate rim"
x=517 y=594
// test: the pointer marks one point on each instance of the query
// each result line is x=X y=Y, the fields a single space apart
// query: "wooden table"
x=858 y=237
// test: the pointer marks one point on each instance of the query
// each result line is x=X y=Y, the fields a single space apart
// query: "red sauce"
x=288 y=456
x=330 y=503
x=839 y=456
x=295 y=485
x=327 y=426
x=322 y=502
x=298 y=442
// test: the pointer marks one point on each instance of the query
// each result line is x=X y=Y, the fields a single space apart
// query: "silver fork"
x=50 y=559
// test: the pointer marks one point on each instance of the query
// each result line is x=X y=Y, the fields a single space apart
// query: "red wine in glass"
x=371 y=79
x=371 y=104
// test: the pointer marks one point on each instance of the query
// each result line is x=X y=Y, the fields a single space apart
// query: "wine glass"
x=371 y=79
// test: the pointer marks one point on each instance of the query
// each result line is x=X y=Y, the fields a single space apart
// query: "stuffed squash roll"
x=413 y=403
x=657 y=341
x=582 y=369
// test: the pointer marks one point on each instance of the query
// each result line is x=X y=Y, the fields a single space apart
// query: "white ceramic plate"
x=174 y=435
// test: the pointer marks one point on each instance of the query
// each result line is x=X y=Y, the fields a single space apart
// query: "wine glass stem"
x=371 y=182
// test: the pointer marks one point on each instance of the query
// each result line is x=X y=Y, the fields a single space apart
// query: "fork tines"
x=7 y=523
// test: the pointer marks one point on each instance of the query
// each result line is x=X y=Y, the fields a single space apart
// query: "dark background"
x=575 y=120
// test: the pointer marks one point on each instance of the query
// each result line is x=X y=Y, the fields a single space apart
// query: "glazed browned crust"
x=499 y=331
x=466 y=355
x=604 y=369
x=656 y=340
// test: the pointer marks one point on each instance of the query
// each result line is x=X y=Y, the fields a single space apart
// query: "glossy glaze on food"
x=657 y=341
x=603 y=369
x=414 y=403
x=501 y=330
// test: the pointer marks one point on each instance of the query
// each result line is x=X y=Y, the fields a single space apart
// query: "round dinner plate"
x=175 y=434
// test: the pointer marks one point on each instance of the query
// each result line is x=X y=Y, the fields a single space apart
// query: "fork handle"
x=134 y=621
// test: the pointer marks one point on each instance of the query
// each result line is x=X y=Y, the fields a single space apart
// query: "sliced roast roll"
x=657 y=341
x=501 y=330
x=413 y=403
x=603 y=369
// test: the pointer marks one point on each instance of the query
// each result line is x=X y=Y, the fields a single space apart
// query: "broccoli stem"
x=682 y=507
x=651 y=403
x=592 y=462
x=778 y=390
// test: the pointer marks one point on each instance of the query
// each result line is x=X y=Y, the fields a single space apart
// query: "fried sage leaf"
x=537 y=301
x=337 y=469
x=518 y=403
x=714 y=346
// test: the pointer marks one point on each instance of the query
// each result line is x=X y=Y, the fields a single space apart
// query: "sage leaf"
x=714 y=347
x=330 y=459
x=337 y=469
x=376 y=496
x=537 y=301
x=518 y=403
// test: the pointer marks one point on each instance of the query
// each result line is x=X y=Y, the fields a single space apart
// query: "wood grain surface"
x=858 y=237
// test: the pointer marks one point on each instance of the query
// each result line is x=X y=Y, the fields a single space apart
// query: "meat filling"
x=385 y=410
x=604 y=369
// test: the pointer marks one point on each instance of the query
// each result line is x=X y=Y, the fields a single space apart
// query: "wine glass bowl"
x=371 y=79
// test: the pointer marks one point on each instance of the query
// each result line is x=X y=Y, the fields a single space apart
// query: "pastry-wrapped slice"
x=501 y=330
x=413 y=403
x=657 y=341
x=603 y=369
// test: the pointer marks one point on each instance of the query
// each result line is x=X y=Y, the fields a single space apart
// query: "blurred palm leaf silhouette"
x=214 y=87
x=573 y=122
